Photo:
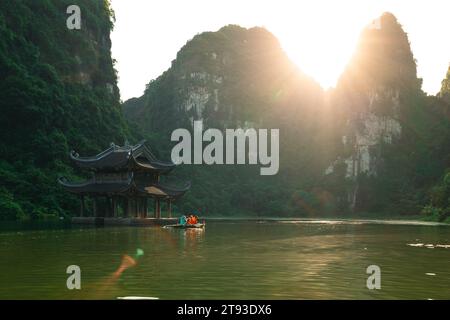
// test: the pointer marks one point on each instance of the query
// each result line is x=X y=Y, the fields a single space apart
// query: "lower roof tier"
x=116 y=158
x=128 y=187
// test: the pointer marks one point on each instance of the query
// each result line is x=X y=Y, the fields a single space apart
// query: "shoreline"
x=165 y=221
x=318 y=220
x=152 y=222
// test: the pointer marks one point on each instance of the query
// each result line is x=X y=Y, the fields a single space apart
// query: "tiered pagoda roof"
x=137 y=158
x=127 y=170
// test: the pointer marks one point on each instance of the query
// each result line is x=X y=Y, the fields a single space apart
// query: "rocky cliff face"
x=234 y=77
x=58 y=91
x=365 y=130
x=373 y=94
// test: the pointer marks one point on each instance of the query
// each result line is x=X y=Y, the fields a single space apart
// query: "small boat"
x=137 y=298
x=186 y=226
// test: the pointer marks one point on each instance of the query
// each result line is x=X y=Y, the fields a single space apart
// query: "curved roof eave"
x=114 y=159
x=155 y=165
x=162 y=191
x=91 y=186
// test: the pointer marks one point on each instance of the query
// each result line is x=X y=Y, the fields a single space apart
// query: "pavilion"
x=123 y=179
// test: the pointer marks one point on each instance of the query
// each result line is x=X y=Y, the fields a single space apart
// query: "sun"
x=320 y=42
x=321 y=55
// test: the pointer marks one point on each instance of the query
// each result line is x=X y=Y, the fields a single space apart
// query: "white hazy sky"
x=318 y=35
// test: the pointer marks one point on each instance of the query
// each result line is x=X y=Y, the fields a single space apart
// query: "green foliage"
x=8 y=207
x=58 y=91
x=445 y=88
x=439 y=207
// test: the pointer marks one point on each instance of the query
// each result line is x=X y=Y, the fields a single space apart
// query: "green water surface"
x=230 y=260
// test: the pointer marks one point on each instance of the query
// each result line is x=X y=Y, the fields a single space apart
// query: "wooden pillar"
x=169 y=208
x=120 y=205
x=154 y=208
x=145 y=207
x=107 y=208
x=94 y=209
x=81 y=206
x=113 y=205
x=136 y=207
x=125 y=207
x=130 y=207
x=158 y=208
x=139 y=206
x=133 y=207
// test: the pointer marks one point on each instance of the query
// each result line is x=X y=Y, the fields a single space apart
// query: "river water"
x=230 y=260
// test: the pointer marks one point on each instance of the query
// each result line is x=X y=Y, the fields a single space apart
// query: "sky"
x=318 y=35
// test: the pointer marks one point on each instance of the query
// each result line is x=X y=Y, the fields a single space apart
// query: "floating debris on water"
x=415 y=244
x=430 y=274
x=137 y=298
x=429 y=245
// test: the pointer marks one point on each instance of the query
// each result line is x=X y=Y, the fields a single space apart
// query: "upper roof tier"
x=129 y=186
x=137 y=158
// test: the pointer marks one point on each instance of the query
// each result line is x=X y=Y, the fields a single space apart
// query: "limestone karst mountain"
x=384 y=119
x=352 y=149
x=233 y=77
x=239 y=78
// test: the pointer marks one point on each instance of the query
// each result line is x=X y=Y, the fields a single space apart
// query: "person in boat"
x=192 y=219
x=183 y=220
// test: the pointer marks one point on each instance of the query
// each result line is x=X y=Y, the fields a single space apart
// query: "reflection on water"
x=235 y=260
